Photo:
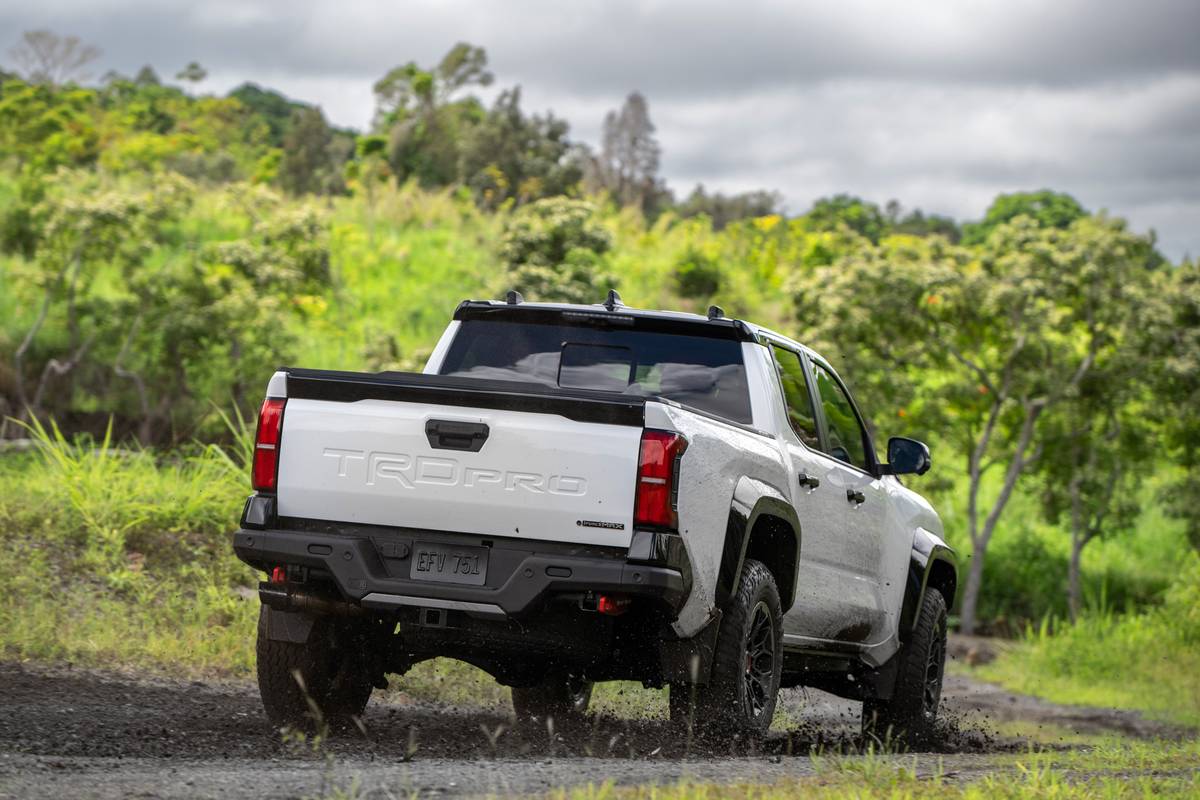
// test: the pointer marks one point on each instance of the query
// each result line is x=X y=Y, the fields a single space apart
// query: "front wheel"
x=747 y=664
x=912 y=710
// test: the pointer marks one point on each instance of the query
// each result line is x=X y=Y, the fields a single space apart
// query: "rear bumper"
x=370 y=567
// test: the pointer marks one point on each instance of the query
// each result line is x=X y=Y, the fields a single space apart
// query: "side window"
x=795 y=393
x=846 y=434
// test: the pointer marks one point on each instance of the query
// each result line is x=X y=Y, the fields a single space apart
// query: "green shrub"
x=696 y=275
x=554 y=250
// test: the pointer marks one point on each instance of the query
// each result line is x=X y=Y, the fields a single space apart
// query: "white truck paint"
x=369 y=463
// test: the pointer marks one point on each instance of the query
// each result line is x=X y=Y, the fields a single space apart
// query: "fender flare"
x=929 y=553
x=752 y=499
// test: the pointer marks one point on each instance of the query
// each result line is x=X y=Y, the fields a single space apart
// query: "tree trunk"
x=971 y=591
x=1074 y=591
x=981 y=537
x=1077 y=543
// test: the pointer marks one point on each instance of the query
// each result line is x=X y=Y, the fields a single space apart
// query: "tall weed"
x=122 y=555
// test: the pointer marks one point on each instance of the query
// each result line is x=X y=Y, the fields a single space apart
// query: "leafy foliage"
x=830 y=213
x=312 y=155
x=723 y=209
x=553 y=250
x=1047 y=208
x=981 y=344
x=1171 y=342
x=511 y=157
x=697 y=275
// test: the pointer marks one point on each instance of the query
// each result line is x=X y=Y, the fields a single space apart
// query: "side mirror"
x=907 y=457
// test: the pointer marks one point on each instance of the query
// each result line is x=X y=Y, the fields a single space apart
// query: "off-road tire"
x=561 y=696
x=743 y=686
x=910 y=714
x=331 y=668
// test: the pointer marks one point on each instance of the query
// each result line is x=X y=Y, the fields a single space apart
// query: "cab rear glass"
x=698 y=371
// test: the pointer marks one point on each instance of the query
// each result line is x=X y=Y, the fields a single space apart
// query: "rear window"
x=702 y=372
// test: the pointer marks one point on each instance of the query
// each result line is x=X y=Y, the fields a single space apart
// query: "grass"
x=117 y=557
x=1148 y=660
x=1125 y=770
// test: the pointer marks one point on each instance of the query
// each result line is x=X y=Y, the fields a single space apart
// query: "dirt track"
x=81 y=733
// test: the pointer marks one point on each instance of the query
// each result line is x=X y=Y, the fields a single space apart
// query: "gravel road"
x=68 y=732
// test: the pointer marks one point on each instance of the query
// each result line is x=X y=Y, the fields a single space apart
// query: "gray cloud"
x=941 y=105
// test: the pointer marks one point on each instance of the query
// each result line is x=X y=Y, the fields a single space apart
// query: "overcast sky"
x=939 y=104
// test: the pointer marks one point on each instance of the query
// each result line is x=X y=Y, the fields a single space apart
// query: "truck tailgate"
x=378 y=460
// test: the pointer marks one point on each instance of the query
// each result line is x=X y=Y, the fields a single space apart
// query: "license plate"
x=437 y=562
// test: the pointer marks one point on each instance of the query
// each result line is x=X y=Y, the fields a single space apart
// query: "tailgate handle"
x=445 y=434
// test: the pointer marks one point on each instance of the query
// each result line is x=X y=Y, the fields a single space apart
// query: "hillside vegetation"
x=162 y=252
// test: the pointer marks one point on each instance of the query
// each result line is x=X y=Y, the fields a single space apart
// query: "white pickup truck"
x=571 y=494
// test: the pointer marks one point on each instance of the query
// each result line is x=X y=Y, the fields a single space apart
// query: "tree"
x=409 y=88
x=1047 y=208
x=367 y=171
x=553 y=250
x=509 y=155
x=45 y=57
x=424 y=122
x=306 y=166
x=1096 y=447
x=270 y=106
x=865 y=219
x=979 y=345
x=205 y=329
x=146 y=76
x=1171 y=341
x=192 y=73
x=917 y=223
x=723 y=209
x=697 y=275
x=43 y=129
x=83 y=227
x=627 y=166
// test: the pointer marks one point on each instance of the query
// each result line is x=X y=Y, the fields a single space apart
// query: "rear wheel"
x=323 y=681
x=744 y=684
x=564 y=697
x=912 y=710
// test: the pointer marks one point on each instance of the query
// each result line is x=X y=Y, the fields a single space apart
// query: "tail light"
x=658 y=473
x=266 y=444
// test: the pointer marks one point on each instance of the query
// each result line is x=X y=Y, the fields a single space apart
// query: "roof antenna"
x=514 y=298
x=716 y=312
x=613 y=300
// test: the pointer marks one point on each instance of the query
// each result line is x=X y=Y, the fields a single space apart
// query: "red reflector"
x=613 y=605
x=279 y=575
x=266 y=444
x=656 y=499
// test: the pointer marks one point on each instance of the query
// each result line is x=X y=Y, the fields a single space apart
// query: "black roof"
x=616 y=314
